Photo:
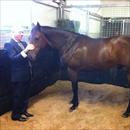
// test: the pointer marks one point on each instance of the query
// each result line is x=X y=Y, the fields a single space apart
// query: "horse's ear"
x=38 y=26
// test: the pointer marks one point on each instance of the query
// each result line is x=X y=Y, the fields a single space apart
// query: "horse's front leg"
x=74 y=100
x=73 y=75
x=127 y=112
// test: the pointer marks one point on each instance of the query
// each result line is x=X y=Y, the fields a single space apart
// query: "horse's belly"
x=95 y=66
x=87 y=63
x=94 y=62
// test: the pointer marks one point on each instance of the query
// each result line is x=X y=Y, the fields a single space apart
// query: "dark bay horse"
x=80 y=52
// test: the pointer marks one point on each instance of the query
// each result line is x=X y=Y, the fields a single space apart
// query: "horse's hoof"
x=72 y=108
x=125 y=115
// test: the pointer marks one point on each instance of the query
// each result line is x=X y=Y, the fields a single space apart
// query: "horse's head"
x=38 y=39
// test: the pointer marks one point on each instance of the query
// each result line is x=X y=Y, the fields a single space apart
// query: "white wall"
x=66 y=14
x=45 y=15
x=94 y=28
x=15 y=13
x=23 y=13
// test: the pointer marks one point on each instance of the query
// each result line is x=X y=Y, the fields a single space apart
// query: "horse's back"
x=89 y=53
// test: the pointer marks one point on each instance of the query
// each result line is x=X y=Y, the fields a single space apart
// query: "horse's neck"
x=62 y=41
x=69 y=43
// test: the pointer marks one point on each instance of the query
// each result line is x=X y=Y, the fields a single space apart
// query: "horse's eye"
x=36 y=39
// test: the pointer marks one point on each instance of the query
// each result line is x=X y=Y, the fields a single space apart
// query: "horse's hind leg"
x=74 y=81
x=127 y=112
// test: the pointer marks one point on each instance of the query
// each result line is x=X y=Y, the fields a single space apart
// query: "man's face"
x=18 y=36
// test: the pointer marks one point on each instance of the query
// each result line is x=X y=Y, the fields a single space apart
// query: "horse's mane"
x=62 y=30
x=44 y=28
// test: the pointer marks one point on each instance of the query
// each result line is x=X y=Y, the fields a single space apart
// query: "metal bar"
x=123 y=25
x=44 y=4
x=95 y=15
x=95 y=6
x=94 y=18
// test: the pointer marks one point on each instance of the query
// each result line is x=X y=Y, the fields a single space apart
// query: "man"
x=20 y=74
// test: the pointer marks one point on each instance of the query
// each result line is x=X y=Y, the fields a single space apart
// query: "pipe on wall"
x=36 y=1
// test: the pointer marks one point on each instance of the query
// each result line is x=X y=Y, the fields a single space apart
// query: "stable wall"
x=45 y=15
x=91 y=25
x=115 y=11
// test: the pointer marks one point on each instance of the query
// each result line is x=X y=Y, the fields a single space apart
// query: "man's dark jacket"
x=20 y=69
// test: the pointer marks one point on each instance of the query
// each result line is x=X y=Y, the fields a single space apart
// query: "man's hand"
x=29 y=47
